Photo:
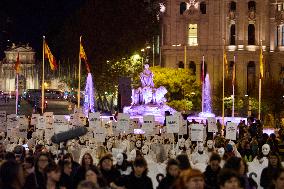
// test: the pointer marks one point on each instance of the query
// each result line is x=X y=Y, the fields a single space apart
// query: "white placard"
x=183 y=127
x=196 y=132
x=12 y=121
x=3 y=126
x=34 y=119
x=3 y=116
x=135 y=123
x=123 y=121
x=48 y=117
x=40 y=122
x=60 y=124
x=94 y=120
x=100 y=134
x=107 y=124
x=79 y=120
x=48 y=133
x=212 y=127
x=172 y=123
x=231 y=131
x=114 y=128
x=148 y=124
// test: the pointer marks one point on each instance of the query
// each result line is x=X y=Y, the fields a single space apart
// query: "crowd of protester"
x=39 y=169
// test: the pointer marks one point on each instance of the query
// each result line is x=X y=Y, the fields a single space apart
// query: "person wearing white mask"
x=122 y=165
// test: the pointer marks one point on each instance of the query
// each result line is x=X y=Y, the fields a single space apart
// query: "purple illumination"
x=206 y=93
x=89 y=100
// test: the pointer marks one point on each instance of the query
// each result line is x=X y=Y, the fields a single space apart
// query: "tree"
x=183 y=91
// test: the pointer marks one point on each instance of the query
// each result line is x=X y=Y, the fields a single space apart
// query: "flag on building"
x=50 y=57
x=83 y=57
x=234 y=74
x=261 y=62
x=17 y=64
x=226 y=64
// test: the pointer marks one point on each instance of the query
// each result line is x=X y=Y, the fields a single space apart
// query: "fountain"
x=206 y=96
x=89 y=100
x=148 y=100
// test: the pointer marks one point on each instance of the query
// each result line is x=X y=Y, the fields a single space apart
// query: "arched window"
x=192 y=67
x=182 y=7
x=250 y=77
x=251 y=34
x=251 y=5
x=233 y=34
x=233 y=6
x=203 y=7
x=180 y=64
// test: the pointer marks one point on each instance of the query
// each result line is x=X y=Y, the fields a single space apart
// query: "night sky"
x=110 y=28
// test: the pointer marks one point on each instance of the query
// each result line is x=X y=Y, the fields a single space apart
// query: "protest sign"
x=34 y=119
x=122 y=122
x=196 y=132
x=148 y=124
x=231 y=131
x=172 y=123
x=212 y=127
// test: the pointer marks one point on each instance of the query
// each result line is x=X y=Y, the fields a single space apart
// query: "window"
x=233 y=6
x=192 y=67
x=203 y=7
x=233 y=35
x=251 y=34
x=182 y=7
x=250 y=78
x=251 y=6
x=192 y=35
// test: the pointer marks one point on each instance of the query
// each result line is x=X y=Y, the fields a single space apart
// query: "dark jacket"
x=30 y=182
x=66 y=181
x=111 y=175
x=267 y=176
x=167 y=182
x=133 y=182
x=40 y=180
x=211 y=178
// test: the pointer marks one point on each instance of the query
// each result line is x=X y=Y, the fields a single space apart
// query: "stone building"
x=193 y=28
x=28 y=76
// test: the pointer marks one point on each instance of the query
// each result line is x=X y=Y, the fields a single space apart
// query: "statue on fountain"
x=147 y=99
x=146 y=77
x=147 y=93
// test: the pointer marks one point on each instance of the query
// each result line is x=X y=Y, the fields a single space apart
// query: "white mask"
x=200 y=147
x=221 y=151
x=172 y=154
x=210 y=144
x=138 y=143
x=119 y=159
x=145 y=149
x=265 y=149
x=132 y=155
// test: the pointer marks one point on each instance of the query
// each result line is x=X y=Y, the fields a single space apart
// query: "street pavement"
x=58 y=107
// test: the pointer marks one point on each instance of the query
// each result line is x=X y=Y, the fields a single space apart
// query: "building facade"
x=193 y=29
x=28 y=76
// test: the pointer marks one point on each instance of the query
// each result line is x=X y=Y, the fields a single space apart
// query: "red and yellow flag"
x=51 y=58
x=226 y=64
x=234 y=74
x=83 y=57
x=261 y=62
x=17 y=64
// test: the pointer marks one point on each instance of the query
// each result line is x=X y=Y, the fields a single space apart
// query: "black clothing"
x=267 y=176
x=111 y=175
x=40 y=180
x=79 y=176
x=211 y=178
x=133 y=182
x=167 y=182
x=30 y=182
x=66 y=181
